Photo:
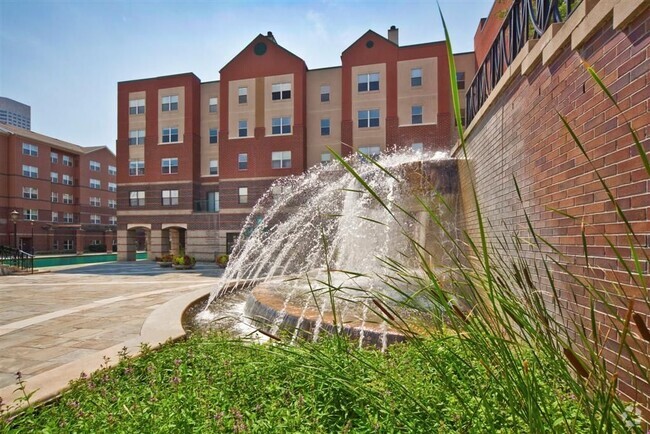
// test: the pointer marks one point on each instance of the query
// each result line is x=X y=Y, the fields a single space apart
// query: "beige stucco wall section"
x=369 y=101
x=465 y=63
x=236 y=111
x=175 y=118
x=208 y=120
x=278 y=108
x=425 y=95
x=317 y=110
x=137 y=122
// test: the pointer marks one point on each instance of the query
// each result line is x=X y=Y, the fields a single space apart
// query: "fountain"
x=319 y=252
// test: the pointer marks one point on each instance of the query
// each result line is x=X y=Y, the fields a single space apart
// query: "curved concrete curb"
x=162 y=325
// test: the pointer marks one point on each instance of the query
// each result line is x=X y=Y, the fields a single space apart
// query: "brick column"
x=126 y=245
x=157 y=247
x=79 y=241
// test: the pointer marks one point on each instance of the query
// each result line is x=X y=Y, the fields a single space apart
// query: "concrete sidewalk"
x=73 y=313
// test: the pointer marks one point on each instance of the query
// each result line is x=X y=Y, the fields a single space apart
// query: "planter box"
x=164 y=264
x=183 y=267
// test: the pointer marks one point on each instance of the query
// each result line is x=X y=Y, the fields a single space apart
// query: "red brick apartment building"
x=64 y=194
x=193 y=157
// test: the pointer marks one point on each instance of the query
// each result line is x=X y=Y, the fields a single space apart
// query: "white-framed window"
x=30 y=193
x=67 y=161
x=170 y=135
x=68 y=217
x=112 y=203
x=281 y=160
x=136 y=198
x=30 y=171
x=136 y=167
x=325 y=127
x=416 y=114
x=54 y=197
x=281 y=125
x=416 y=77
x=370 y=151
x=55 y=217
x=325 y=93
x=214 y=167
x=54 y=157
x=280 y=190
x=460 y=80
x=67 y=180
x=169 y=197
x=95 y=201
x=95 y=166
x=213 y=201
x=95 y=183
x=95 y=242
x=55 y=243
x=95 y=219
x=325 y=157
x=169 y=165
x=242 y=195
x=368 y=118
x=212 y=104
x=280 y=91
x=243 y=128
x=136 y=137
x=54 y=177
x=170 y=103
x=417 y=147
x=113 y=221
x=68 y=244
x=242 y=161
x=112 y=170
x=30 y=214
x=113 y=186
x=136 y=106
x=368 y=82
x=29 y=149
x=68 y=198
x=242 y=93
x=214 y=135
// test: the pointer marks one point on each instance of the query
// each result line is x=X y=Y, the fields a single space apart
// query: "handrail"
x=525 y=20
x=17 y=258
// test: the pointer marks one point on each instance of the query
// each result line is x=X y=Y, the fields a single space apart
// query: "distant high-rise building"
x=15 y=113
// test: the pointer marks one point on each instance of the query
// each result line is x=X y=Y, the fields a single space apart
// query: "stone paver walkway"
x=51 y=319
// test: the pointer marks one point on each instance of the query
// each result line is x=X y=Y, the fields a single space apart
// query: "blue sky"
x=65 y=57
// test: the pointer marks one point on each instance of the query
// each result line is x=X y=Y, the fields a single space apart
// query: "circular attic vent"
x=370 y=44
x=260 y=48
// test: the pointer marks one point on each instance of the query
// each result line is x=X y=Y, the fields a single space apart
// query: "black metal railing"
x=17 y=258
x=525 y=20
x=206 y=206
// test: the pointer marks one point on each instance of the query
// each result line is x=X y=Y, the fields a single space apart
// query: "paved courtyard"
x=51 y=319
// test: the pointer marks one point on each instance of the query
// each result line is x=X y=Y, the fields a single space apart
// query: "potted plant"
x=165 y=261
x=184 y=262
x=222 y=260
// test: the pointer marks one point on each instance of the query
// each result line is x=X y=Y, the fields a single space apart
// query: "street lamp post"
x=33 y=241
x=14 y=218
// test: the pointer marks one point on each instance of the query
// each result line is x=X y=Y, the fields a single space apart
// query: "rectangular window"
x=136 y=167
x=95 y=219
x=136 y=106
x=112 y=170
x=170 y=103
x=368 y=118
x=95 y=166
x=371 y=151
x=113 y=186
x=54 y=177
x=243 y=95
x=169 y=197
x=30 y=171
x=416 y=77
x=242 y=161
x=30 y=193
x=68 y=198
x=169 y=165
x=368 y=82
x=214 y=135
x=280 y=91
x=325 y=157
x=67 y=161
x=460 y=80
x=214 y=167
x=95 y=201
x=281 y=160
x=213 y=201
x=30 y=214
x=95 y=183
x=55 y=217
x=417 y=147
x=136 y=198
x=243 y=128
x=243 y=195
x=68 y=217
x=112 y=203
x=136 y=137
x=67 y=180
x=113 y=221
x=54 y=197
x=416 y=114
x=31 y=150
x=68 y=244
x=54 y=157
x=169 y=135
x=212 y=105
x=325 y=127
x=325 y=93
x=281 y=125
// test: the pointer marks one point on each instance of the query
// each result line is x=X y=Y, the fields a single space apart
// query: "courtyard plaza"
x=62 y=321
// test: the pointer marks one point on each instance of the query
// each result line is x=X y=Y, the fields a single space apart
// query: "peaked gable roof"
x=268 y=39
x=372 y=33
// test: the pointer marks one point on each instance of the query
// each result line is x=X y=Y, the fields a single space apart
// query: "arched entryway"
x=136 y=237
